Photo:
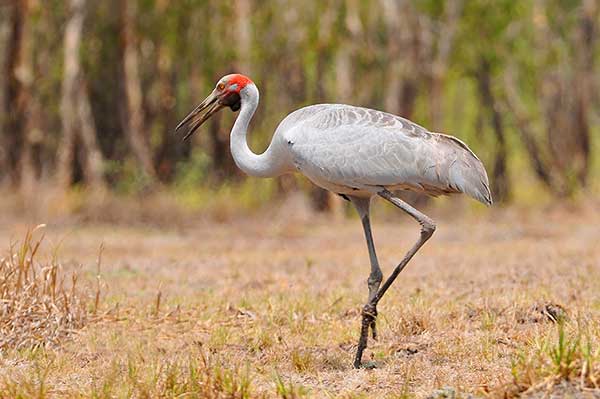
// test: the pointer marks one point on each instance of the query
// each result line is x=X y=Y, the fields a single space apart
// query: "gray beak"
x=197 y=117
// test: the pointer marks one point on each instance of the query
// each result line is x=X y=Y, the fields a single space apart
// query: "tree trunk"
x=439 y=66
x=31 y=129
x=584 y=85
x=323 y=200
x=526 y=131
x=14 y=96
x=560 y=155
x=22 y=123
x=133 y=123
x=94 y=160
x=68 y=105
x=345 y=53
x=224 y=166
x=4 y=45
x=243 y=36
x=30 y=108
x=406 y=45
x=76 y=113
x=500 y=184
x=395 y=64
x=170 y=151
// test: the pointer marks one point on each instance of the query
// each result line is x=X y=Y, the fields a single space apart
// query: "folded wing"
x=357 y=147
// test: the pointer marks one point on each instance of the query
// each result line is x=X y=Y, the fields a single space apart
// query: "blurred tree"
x=405 y=56
x=483 y=60
x=5 y=30
x=510 y=77
x=76 y=113
x=564 y=86
x=500 y=183
x=164 y=30
x=420 y=37
x=322 y=34
x=29 y=112
x=227 y=48
x=445 y=28
x=14 y=96
x=134 y=120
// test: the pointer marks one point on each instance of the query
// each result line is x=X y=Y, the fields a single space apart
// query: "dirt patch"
x=274 y=306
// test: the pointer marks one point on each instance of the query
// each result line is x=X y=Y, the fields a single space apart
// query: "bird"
x=357 y=153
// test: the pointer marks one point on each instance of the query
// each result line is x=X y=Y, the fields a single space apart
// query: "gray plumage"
x=350 y=150
x=358 y=153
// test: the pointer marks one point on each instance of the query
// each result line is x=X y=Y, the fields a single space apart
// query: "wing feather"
x=353 y=147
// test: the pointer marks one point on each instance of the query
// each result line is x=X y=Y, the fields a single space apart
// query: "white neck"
x=267 y=164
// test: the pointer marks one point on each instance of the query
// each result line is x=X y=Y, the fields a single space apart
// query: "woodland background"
x=90 y=91
x=157 y=269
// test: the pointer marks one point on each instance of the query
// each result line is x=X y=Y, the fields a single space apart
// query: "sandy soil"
x=278 y=300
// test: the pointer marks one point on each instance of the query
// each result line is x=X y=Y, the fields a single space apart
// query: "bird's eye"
x=220 y=86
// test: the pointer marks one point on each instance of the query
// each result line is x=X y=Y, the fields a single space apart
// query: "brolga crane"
x=358 y=153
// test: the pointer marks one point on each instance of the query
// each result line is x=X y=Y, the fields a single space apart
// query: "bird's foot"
x=370 y=365
x=370 y=315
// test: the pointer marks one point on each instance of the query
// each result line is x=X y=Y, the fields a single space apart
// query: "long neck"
x=266 y=164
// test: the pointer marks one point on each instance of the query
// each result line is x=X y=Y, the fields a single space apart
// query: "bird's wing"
x=357 y=147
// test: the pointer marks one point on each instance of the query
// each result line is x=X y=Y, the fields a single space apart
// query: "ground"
x=499 y=302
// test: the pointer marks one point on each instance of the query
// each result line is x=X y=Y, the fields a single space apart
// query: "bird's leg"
x=375 y=277
x=427 y=229
x=369 y=313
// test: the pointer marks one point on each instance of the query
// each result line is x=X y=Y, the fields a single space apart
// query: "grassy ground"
x=499 y=303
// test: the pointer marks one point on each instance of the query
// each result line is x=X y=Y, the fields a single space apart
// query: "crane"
x=358 y=153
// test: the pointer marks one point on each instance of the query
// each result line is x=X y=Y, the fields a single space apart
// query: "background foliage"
x=90 y=92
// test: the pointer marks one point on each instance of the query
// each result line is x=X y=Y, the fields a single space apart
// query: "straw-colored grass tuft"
x=37 y=306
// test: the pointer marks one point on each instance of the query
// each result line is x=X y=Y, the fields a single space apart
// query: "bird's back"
x=347 y=148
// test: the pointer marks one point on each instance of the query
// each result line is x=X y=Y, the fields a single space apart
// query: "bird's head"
x=225 y=94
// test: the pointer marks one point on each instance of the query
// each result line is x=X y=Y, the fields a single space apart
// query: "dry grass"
x=501 y=303
x=37 y=306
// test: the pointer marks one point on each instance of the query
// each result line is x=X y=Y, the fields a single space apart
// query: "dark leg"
x=427 y=229
x=369 y=313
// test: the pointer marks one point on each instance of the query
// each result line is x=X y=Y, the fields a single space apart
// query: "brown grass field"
x=500 y=303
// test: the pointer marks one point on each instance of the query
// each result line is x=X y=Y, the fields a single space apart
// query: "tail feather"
x=466 y=173
x=473 y=181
